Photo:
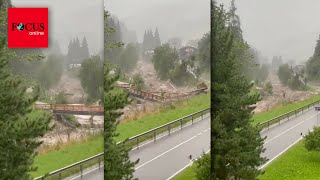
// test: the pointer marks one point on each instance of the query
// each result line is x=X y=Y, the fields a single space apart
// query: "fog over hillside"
x=186 y=19
x=287 y=28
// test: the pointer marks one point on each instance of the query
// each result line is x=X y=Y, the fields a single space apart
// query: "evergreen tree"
x=234 y=22
x=157 y=41
x=236 y=144
x=117 y=164
x=91 y=76
x=77 y=49
x=313 y=64
x=317 y=49
x=203 y=53
x=19 y=130
x=150 y=40
x=163 y=60
x=84 y=49
x=5 y=4
x=70 y=54
x=144 y=43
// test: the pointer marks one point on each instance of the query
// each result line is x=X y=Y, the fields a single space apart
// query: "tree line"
x=150 y=41
x=77 y=52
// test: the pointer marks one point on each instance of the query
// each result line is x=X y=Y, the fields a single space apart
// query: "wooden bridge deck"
x=72 y=109
x=160 y=96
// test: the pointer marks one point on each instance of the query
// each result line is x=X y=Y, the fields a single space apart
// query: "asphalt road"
x=166 y=157
x=169 y=155
x=92 y=173
x=281 y=137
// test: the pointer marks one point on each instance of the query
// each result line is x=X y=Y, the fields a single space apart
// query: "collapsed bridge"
x=163 y=96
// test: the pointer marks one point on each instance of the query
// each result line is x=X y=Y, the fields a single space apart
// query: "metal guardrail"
x=287 y=116
x=132 y=142
x=152 y=134
x=76 y=167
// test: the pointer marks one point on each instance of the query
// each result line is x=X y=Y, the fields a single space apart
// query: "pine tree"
x=5 y=4
x=157 y=39
x=150 y=40
x=117 y=164
x=77 y=50
x=236 y=144
x=234 y=22
x=317 y=49
x=70 y=51
x=84 y=49
x=313 y=64
x=19 y=131
x=144 y=43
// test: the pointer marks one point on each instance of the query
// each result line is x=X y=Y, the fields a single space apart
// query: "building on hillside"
x=186 y=52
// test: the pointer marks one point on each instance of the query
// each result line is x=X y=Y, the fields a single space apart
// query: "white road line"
x=189 y=164
x=280 y=154
x=165 y=152
x=284 y=132
x=284 y=120
x=86 y=172
x=166 y=134
x=289 y=129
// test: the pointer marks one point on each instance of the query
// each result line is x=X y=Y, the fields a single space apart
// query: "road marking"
x=284 y=132
x=280 y=154
x=86 y=172
x=165 y=152
x=188 y=165
x=284 y=120
x=289 y=129
x=175 y=130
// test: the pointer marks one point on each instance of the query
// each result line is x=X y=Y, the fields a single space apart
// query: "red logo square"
x=27 y=27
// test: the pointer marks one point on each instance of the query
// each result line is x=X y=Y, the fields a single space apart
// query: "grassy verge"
x=187 y=174
x=296 y=163
x=282 y=109
x=164 y=116
x=67 y=155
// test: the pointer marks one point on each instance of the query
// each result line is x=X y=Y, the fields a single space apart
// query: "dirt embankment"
x=280 y=95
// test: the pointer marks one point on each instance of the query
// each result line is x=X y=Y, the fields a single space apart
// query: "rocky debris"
x=281 y=94
x=152 y=82
x=62 y=135
x=71 y=86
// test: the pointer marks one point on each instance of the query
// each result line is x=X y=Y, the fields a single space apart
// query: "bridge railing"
x=153 y=134
x=77 y=167
x=286 y=116
x=64 y=107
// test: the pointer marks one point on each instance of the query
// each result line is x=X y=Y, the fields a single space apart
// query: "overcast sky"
x=71 y=18
x=280 y=27
x=187 y=19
